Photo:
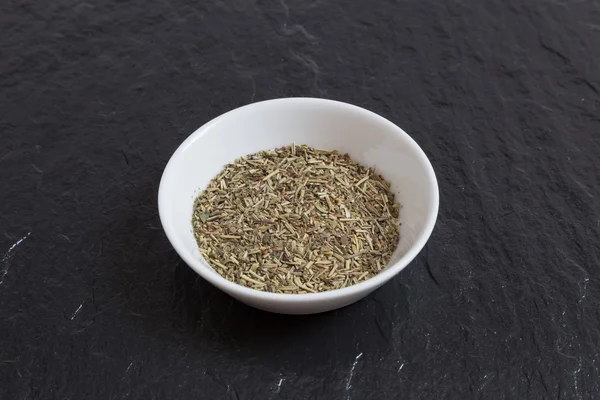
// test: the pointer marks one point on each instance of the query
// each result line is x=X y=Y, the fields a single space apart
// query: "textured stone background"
x=504 y=97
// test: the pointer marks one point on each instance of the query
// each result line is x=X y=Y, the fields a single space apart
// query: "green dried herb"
x=296 y=220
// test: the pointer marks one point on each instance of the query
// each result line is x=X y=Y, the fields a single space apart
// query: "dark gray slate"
x=504 y=302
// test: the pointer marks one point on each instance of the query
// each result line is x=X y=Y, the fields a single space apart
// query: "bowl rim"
x=238 y=290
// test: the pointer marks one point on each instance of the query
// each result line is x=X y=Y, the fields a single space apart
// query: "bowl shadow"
x=160 y=296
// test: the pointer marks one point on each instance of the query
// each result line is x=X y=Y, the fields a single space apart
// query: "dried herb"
x=296 y=220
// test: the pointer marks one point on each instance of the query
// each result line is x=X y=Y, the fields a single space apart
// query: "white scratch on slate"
x=279 y=385
x=583 y=188
x=400 y=368
x=36 y=168
x=575 y=380
x=291 y=30
x=76 y=311
x=286 y=9
x=9 y=361
x=467 y=142
x=130 y=364
x=349 y=381
x=584 y=290
x=5 y=263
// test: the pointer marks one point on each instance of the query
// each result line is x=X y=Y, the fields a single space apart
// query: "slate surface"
x=503 y=97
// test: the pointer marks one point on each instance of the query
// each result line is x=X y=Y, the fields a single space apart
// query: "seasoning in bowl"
x=296 y=220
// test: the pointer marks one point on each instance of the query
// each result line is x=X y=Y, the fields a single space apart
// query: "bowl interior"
x=365 y=136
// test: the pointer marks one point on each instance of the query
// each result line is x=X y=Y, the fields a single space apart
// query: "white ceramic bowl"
x=369 y=139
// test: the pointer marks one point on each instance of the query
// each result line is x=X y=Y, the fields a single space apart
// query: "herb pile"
x=296 y=220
